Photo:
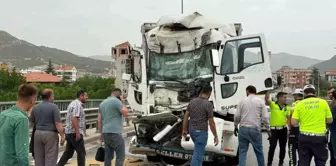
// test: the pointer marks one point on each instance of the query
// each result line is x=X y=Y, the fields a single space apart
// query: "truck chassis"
x=168 y=150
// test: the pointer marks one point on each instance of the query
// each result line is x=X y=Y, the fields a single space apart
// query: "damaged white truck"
x=178 y=55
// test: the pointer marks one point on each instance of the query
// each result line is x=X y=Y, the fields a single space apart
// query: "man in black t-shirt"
x=200 y=111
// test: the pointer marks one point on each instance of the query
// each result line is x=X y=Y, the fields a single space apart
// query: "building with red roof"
x=40 y=77
x=330 y=75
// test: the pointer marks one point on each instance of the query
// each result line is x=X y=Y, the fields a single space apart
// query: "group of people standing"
x=48 y=132
x=307 y=124
x=45 y=118
x=304 y=125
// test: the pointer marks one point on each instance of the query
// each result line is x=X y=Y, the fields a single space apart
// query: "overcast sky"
x=91 y=27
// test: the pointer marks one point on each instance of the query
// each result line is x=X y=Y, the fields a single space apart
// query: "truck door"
x=242 y=61
x=137 y=88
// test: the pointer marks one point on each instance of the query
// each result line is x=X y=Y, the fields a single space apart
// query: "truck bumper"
x=134 y=149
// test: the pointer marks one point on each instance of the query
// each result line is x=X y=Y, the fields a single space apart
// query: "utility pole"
x=181 y=6
x=318 y=85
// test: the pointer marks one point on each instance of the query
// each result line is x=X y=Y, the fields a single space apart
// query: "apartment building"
x=3 y=66
x=113 y=71
x=126 y=58
x=121 y=53
x=69 y=72
x=294 y=78
x=330 y=75
x=31 y=70
x=6 y=67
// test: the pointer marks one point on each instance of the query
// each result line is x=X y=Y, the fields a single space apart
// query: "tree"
x=14 y=70
x=50 y=68
x=314 y=77
x=65 y=78
x=9 y=84
x=320 y=84
x=97 y=87
x=65 y=82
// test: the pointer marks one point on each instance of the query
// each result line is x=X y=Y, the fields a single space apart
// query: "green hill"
x=325 y=65
x=23 y=54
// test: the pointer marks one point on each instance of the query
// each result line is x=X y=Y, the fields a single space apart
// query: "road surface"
x=251 y=159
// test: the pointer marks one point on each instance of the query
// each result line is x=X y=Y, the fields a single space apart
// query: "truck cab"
x=179 y=55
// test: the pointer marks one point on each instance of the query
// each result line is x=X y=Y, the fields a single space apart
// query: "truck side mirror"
x=215 y=58
x=126 y=77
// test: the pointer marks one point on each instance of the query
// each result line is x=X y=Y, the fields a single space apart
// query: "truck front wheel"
x=233 y=160
x=173 y=161
x=155 y=158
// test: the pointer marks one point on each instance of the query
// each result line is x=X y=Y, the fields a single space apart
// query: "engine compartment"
x=193 y=90
x=149 y=126
x=170 y=94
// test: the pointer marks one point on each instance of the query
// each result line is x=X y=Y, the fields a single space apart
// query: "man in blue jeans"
x=200 y=111
x=250 y=115
x=110 y=122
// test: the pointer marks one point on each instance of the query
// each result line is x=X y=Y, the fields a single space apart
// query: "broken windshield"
x=181 y=66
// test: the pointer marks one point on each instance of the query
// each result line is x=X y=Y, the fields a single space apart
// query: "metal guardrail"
x=62 y=104
x=90 y=109
x=91 y=117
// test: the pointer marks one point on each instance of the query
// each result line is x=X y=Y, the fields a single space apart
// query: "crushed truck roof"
x=197 y=20
x=183 y=33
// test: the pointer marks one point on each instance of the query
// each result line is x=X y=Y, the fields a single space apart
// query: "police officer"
x=312 y=113
x=280 y=112
x=293 y=130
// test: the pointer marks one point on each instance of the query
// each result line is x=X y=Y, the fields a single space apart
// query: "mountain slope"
x=325 y=65
x=298 y=62
x=23 y=54
x=102 y=57
x=281 y=59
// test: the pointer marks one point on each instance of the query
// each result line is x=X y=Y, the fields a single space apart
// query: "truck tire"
x=155 y=158
x=233 y=160
x=173 y=161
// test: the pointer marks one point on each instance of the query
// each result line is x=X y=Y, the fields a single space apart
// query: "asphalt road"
x=251 y=159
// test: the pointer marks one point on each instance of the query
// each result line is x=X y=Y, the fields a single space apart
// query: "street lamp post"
x=181 y=6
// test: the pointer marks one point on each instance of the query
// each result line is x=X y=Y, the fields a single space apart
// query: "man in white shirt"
x=250 y=115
